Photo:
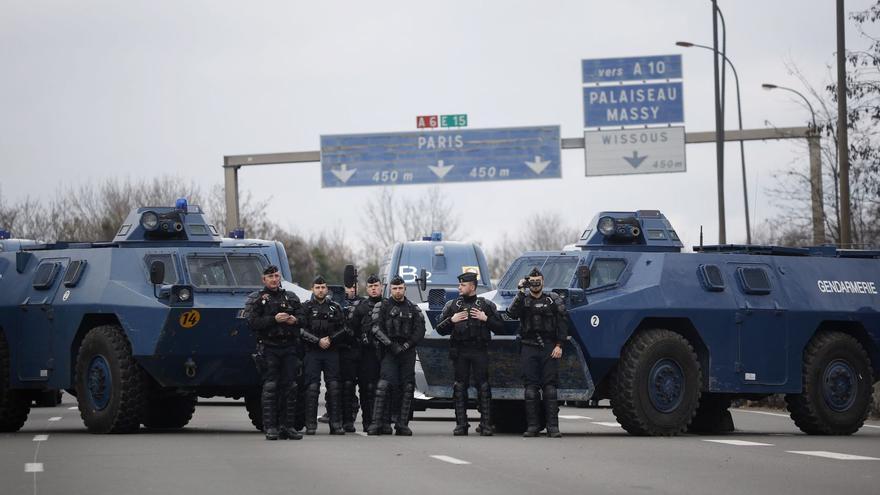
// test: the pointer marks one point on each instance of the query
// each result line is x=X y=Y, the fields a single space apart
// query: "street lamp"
x=769 y=87
x=817 y=201
x=742 y=154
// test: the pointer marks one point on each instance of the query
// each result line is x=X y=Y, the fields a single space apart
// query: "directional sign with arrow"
x=464 y=155
x=635 y=151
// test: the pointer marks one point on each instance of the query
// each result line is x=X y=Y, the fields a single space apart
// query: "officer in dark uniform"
x=274 y=314
x=398 y=325
x=360 y=323
x=323 y=325
x=349 y=359
x=543 y=324
x=470 y=320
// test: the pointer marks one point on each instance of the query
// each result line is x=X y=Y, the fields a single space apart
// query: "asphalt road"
x=220 y=453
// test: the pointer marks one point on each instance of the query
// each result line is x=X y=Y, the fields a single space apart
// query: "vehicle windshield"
x=206 y=271
x=558 y=271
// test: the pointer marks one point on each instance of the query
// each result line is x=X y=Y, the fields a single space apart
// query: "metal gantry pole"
x=719 y=130
x=842 y=131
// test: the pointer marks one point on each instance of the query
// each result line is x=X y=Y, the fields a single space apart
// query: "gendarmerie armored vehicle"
x=136 y=328
x=671 y=338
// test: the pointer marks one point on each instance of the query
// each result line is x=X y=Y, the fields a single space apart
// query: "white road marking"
x=871 y=426
x=607 y=423
x=833 y=455
x=741 y=443
x=764 y=413
x=566 y=416
x=361 y=433
x=74 y=408
x=41 y=438
x=450 y=460
x=33 y=467
x=55 y=418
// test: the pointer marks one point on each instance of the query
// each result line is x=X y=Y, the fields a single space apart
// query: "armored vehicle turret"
x=671 y=338
x=138 y=327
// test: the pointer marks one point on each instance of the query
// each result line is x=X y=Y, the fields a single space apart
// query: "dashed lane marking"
x=41 y=438
x=741 y=443
x=450 y=460
x=833 y=455
x=74 y=408
x=607 y=423
x=55 y=418
x=361 y=433
x=871 y=426
x=765 y=413
x=574 y=416
x=33 y=467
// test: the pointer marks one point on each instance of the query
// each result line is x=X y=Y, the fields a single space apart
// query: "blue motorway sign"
x=599 y=70
x=462 y=155
x=633 y=104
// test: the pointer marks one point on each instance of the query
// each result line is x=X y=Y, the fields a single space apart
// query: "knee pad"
x=531 y=393
x=313 y=388
x=549 y=392
x=270 y=387
x=485 y=389
x=383 y=387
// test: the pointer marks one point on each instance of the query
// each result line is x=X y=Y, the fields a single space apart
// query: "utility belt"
x=532 y=340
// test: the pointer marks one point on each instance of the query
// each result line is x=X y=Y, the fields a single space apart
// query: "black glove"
x=396 y=348
x=404 y=347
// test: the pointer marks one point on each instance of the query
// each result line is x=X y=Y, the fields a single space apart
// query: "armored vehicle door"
x=37 y=321
x=761 y=324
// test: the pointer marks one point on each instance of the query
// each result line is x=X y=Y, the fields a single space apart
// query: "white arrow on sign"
x=440 y=170
x=538 y=165
x=343 y=174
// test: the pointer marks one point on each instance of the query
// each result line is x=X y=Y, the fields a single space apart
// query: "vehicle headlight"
x=606 y=226
x=150 y=220
x=184 y=294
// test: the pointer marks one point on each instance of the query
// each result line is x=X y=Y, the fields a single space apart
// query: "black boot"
x=485 y=410
x=269 y=401
x=392 y=404
x=532 y=412
x=312 y=393
x=459 y=400
x=406 y=403
x=333 y=409
x=368 y=396
x=551 y=411
x=377 y=427
x=349 y=406
x=288 y=416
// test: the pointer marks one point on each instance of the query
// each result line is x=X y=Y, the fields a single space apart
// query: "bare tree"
x=540 y=232
x=388 y=219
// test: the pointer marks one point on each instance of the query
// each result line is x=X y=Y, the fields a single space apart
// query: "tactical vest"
x=323 y=318
x=471 y=329
x=538 y=317
x=400 y=319
x=271 y=303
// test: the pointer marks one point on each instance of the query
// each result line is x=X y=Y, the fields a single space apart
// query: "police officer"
x=323 y=325
x=360 y=323
x=398 y=325
x=349 y=359
x=543 y=329
x=273 y=314
x=470 y=319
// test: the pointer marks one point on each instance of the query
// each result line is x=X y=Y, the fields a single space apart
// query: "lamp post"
x=817 y=200
x=742 y=152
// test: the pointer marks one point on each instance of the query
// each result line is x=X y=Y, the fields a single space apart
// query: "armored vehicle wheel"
x=14 y=407
x=109 y=383
x=254 y=409
x=509 y=416
x=713 y=416
x=837 y=381
x=170 y=412
x=658 y=384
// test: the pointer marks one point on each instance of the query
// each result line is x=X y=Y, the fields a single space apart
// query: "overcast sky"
x=134 y=89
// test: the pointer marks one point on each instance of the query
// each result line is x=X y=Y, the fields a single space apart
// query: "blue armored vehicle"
x=136 y=328
x=671 y=338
